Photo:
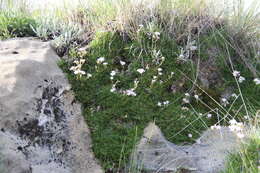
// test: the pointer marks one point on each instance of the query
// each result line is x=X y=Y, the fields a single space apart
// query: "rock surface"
x=155 y=154
x=42 y=129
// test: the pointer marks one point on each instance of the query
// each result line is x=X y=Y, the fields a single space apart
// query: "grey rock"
x=42 y=129
x=155 y=154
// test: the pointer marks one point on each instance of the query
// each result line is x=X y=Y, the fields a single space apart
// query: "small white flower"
x=241 y=79
x=130 y=92
x=122 y=63
x=196 y=97
x=80 y=72
x=215 y=127
x=224 y=102
x=140 y=70
x=172 y=73
x=153 y=81
x=166 y=102
x=105 y=63
x=181 y=56
x=209 y=115
x=187 y=94
x=234 y=95
x=257 y=81
x=185 y=100
x=159 y=104
x=190 y=135
x=160 y=73
x=89 y=75
x=100 y=60
x=184 y=108
x=232 y=122
x=155 y=77
x=159 y=69
x=111 y=78
x=113 y=73
x=246 y=117
x=113 y=89
x=236 y=73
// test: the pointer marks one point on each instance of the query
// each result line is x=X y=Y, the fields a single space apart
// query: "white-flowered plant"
x=237 y=75
x=140 y=70
x=100 y=60
x=112 y=74
x=224 y=102
x=77 y=67
x=257 y=81
x=237 y=128
x=122 y=63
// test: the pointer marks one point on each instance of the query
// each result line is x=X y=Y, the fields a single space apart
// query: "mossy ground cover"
x=117 y=120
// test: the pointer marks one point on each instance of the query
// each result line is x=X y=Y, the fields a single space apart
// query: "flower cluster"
x=102 y=61
x=257 y=81
x=237 y=128
x=77 y=68
x=186 y=99
x=165 y=103
x=237 y=75
x=128 y=92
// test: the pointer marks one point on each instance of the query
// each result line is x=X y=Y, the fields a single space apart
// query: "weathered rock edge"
x=42 y=129
x=208 y=155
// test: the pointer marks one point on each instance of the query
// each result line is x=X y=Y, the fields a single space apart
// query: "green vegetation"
x=247 y=160
x=172 y=63
x=16 y=25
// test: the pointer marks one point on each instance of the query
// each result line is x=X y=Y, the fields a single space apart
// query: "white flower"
x=234 y=95
x=80 y=72
x=232 y=122
x=159 y=104
x=113 y=89
x=154 y=77
x=166 y=102
x=209 y=115
x=122 y=63
x=105 y=63
x=190 y=135
x=113 y=73
x=159 y=69
x=130 y=92
x=153 y=81
x=246 y=117
x=185 y=100
x=215 y=127
x=257 y=81
x=160 y=73
x=181 y=56
x=224 y=102
x=236 y=73
x=140 y=70
x=100 y=60
x=196 y=97
x=184 y=108
x=241 y=79
x=187 y=94
x=89 y=75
